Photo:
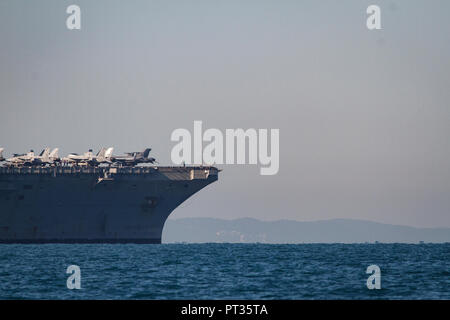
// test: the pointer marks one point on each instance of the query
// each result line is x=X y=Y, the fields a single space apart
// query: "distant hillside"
x=286 y=231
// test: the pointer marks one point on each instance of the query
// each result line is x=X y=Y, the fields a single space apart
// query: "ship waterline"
x=93 y=204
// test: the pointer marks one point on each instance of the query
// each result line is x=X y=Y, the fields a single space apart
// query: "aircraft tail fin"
x=45 y=155
x=146 y=152
x=1 y=153
x=45 y=152
x=101 y=153
x=108 y=152
x=54 y=153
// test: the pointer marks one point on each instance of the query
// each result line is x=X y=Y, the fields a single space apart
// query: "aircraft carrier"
x=93 y=204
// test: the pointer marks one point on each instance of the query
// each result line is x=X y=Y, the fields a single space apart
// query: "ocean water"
x=225 y=271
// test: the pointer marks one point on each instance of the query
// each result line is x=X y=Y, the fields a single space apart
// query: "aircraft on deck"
x=104 y=156
x=76 y=158
x=134 y=158
x=30 y=158
x=88 y=158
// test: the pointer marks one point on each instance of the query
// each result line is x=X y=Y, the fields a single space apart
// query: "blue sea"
x=225 y=271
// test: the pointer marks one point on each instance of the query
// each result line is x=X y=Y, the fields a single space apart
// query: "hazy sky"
x=364 y=116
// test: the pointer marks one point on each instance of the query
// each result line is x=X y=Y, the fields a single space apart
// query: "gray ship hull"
x=93 y=205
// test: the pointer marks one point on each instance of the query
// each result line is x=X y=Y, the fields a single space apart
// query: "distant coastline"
x=249 y=230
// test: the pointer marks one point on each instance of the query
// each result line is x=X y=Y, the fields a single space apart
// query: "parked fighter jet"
x=30 y=158
x=104 y=156
x=1 y=154
x=17 y=159
x=47 y=157
x=76 y=158
x=42 y=158
x=134 y=158
x=88 y=158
